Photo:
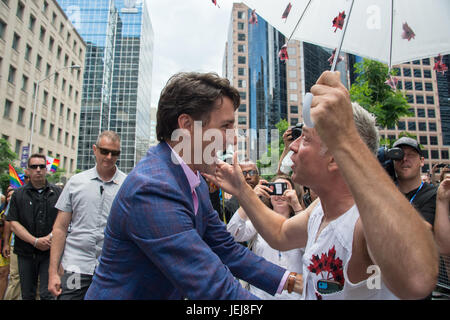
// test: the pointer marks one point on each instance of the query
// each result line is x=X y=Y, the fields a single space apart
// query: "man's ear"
x=422 y=161
x=332 y=165
x=185 y=121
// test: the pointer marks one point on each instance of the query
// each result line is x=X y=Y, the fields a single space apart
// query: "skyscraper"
x=270 y=89
x=118 y=73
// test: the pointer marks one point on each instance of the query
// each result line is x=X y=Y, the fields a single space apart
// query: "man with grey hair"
x=357 y=235
x=78 y=231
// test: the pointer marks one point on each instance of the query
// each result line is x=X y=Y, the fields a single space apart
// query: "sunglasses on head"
x=250 y=173
x=35 y=166
x=105 y=152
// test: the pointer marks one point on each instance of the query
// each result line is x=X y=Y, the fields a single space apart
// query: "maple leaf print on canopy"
x=338 y=22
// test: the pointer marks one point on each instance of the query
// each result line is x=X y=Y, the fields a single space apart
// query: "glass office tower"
x=117 y=77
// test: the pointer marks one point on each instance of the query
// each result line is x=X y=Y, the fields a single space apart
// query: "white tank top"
x=327 y=258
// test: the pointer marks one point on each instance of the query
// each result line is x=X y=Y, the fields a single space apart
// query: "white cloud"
x=189 y=35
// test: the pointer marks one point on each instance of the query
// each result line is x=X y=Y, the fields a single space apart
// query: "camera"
x=386 y=156
x=297 y=131
x=278 y=188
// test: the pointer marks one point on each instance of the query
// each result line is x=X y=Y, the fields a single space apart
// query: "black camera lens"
x=297 y=131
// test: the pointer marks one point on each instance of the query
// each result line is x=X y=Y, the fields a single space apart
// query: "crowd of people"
x=174 y=228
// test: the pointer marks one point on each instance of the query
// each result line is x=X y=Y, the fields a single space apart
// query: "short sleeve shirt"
x=89 y=199
x=424 y=201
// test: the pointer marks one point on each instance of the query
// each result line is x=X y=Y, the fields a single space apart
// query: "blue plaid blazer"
x=155 y=247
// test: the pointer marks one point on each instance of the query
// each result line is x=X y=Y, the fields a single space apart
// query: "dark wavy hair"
x=192 y=93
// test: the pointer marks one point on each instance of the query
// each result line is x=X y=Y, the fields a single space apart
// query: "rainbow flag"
x=14 y=180
x=52 y=164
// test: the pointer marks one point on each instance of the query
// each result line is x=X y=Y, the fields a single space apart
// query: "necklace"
x=415 y=194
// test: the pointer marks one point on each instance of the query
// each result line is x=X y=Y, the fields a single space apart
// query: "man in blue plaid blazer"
x=163 y=239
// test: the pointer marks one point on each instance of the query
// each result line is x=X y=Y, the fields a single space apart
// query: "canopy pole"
x=338 y=51
x=298 y=22
x=392 y=35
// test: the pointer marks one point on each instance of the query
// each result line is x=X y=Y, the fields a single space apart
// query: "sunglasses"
x=250 y=173
x=35 y=166
x=105 y=152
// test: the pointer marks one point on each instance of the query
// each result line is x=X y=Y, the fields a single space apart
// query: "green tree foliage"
x=371 y=92
x=56 y=176
x=7 y=156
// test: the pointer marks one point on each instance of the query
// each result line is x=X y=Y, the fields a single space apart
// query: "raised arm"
x=441 y=220
x=398 y=240
x=279 y=232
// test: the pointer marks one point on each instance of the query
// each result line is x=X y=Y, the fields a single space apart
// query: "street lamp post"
x=36 y=100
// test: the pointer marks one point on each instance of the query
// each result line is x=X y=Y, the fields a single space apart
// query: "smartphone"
x=328 y=286
x=277 y=188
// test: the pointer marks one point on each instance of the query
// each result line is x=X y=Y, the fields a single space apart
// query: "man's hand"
x=443 y=192
x=6 y=250
x=229 y=177
x=54 y=284
x=331 y=110
x=44 y=243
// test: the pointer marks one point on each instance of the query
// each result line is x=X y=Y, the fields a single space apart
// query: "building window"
x=433 y=140
x=7 y=110
x=422 y=126
x=24 y=83
x=242 y=84
x=242 y=108
x=293 y=85
x=20 y=10
x=421 y=112
x=2 y=29
x=411 y=126
x=292 y=62
x=38 y=62
x=16 y=42
x=401 y=125
x=241 y=48
x=241 y=59
x=243 y=95
x=242 y=120
x=416 y=62
x=241 y=15
x=240 y=26
x=12 y=75
x=42 y=34
x=410 y=98
x=430 y=100
x=18 y=146
x=292 y=51
x=417 y=73
x=293 y=97
x=408 y=85
x=51 y=130
x=292 y=73
x=241 y=36
x=428 y=86
x=41 y=131
x=241 y=71
x=27 y=52
x=294 y=121
x=431 y=113
x=432 y=126
x=51 y=43
x=426 y=62
x=294 y=109
x=418 y=86
x=427 y=74
x=420 y=99
x=423 y=140
x=406 y=72
x=434 y=154
x=444 y=155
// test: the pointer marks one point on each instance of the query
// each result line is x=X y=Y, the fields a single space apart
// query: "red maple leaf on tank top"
x=329 y=266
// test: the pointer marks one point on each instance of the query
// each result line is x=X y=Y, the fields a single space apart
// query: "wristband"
x=35 y=242
x=291 y=281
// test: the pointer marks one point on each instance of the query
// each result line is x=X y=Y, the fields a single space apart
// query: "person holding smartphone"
x=242 y=229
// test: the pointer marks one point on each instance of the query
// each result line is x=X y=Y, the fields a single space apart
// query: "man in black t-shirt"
x=422 y=195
